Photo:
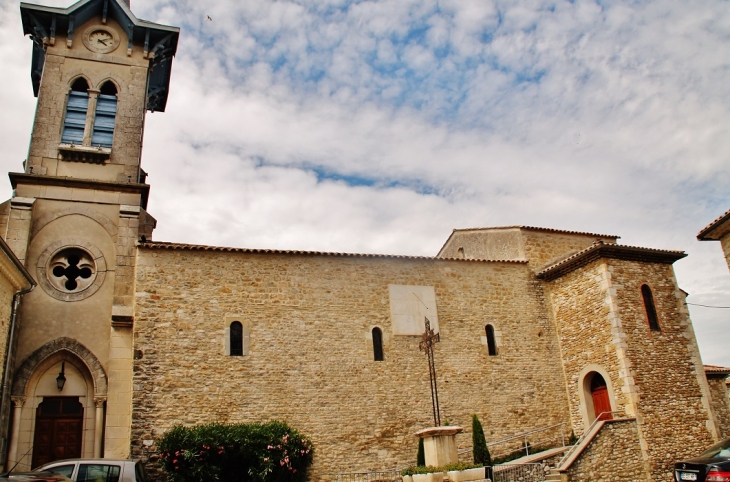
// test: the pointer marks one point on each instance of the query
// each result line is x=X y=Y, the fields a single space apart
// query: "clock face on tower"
x=101 y=39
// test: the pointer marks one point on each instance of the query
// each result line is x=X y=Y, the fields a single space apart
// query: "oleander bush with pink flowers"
x=255 y=452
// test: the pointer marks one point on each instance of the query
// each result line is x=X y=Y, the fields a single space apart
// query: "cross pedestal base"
x=439 y=445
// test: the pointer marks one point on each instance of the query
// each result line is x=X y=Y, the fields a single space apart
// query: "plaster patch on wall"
x=409 y=305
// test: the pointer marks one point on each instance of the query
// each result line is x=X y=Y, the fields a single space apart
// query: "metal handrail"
x=585 y=433
x=525 y=434
x=522 y=435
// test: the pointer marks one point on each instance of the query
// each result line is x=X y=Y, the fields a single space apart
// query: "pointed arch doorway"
x=46 y=419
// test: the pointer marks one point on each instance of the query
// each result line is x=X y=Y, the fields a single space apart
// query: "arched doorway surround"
x=595 y=392
x=35 y=396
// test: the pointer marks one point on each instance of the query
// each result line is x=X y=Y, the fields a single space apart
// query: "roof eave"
x=197 y=247
x=710 y=232
x=610 y=251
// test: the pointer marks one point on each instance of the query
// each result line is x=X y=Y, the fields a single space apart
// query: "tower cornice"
x=17 y=178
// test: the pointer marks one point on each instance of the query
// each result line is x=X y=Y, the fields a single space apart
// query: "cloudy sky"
x=379 y=126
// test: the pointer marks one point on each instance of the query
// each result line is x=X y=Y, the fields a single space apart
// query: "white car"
x=98 y=470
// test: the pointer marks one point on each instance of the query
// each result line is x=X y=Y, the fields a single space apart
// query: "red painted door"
x=601 y=403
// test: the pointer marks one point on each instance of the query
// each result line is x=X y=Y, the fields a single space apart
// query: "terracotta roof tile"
x=600 y=249
x=717 y=370
x=546 y=230
x=200 y=247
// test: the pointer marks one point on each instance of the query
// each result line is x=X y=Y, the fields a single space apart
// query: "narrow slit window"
x=105 y=116
x=650 y=308
x=236 y=339
x=491 y=342
x=377 y=344
x=76 y=109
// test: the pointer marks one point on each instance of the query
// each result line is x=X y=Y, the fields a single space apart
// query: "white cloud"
x=609 y=118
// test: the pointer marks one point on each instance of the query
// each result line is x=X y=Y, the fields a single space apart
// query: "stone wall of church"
x=584 y=328
x=725 y=243
x=674 y=404
x=538 y=247
x=543 y=248
x=614 y=455
x=310 y=358
x=7 y=290
x=721 y=405
x=656 y=376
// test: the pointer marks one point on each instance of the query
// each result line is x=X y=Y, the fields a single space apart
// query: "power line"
x=708 y=306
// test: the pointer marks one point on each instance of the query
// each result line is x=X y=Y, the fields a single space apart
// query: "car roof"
x=29 y=476
x=90 y=460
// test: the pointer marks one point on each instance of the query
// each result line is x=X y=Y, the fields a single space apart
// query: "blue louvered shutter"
x=106 y=111
x=73 y=124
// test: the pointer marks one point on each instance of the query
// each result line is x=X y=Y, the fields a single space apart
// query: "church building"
x=126 y=336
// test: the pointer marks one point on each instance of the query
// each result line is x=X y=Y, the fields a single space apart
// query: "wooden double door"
x=59 y=427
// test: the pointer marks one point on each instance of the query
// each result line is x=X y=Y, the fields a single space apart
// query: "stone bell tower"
x=77 y=212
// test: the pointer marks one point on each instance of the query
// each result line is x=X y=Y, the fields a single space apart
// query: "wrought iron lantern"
x=61 y=378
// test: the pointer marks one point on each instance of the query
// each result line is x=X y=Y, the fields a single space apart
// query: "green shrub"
x=413 y=470
x=421 y=455
x=460 y=466
x=479 y=443
x=259 y=452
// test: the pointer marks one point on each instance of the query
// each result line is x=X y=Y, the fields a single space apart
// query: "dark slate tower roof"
x=160 y=41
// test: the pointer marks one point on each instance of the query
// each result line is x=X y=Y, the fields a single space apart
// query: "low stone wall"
x=614 y=455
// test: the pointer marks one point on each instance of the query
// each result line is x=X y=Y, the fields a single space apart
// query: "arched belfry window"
x=650 y=308
x=491 y=342
x=104 y=117
x=377 y=344
x=236 y=339
x=76 y=109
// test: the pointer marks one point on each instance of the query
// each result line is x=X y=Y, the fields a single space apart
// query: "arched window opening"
x=80 y=85
x=460 y=253
x=378 y=344
x=108 y=88
x=236 y=339
x=104 y=117
x=650 y=308
x=491 y=342
x=601 y=400
x=76 y=108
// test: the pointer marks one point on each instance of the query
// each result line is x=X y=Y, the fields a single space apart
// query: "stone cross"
x=428 y=339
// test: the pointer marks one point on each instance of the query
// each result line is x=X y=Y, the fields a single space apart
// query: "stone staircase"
x=553 y=476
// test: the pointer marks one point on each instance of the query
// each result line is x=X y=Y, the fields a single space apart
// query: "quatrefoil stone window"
x=71 y=269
